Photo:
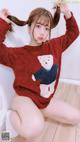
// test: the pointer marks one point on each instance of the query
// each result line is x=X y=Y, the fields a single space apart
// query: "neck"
x=33 y=43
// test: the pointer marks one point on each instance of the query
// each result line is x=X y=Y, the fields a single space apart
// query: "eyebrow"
x=43 y=24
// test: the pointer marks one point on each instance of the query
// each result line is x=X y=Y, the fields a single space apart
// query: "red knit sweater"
x=37 y=68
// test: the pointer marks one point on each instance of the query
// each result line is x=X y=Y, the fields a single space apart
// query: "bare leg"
x=62 y=112
x=26 y=118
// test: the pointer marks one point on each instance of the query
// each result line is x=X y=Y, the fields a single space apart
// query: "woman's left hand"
x=64 y=8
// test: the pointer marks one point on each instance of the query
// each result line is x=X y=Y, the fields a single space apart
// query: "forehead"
x=44 y=20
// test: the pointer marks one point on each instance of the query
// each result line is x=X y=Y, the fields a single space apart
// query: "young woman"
x=37 y=67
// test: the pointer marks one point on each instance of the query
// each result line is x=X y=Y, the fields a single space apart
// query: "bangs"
x=44 y=20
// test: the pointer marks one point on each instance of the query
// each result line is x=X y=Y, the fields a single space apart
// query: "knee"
x=33 y=129
x=29 y=129
x=73 y=117
x=30 y=125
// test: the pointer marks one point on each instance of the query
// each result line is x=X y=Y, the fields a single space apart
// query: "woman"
x=37 y=67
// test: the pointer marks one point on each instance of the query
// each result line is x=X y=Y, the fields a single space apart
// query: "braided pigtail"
x=56 y=17
x=16 y=21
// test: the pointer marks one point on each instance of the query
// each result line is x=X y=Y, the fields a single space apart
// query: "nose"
x=42 y=31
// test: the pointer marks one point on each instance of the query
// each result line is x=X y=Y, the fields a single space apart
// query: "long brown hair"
x=35 y=15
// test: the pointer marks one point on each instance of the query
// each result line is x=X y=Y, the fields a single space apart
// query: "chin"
x=40 y=42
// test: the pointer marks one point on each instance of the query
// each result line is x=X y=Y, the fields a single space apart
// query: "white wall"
x=71 y=57
x=21 y=9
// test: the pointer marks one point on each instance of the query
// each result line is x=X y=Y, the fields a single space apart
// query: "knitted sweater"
x=37 y=68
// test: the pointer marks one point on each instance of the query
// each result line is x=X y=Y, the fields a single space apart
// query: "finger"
x=5 y=12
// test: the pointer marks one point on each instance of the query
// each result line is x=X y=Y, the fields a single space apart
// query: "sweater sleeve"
x=72 y=32
x=6 y=57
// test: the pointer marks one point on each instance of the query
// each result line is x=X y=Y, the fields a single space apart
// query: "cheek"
x=35 y=33
x=47 y=36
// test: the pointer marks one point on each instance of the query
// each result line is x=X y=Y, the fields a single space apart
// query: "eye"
x=47 y=29
x=38 y=26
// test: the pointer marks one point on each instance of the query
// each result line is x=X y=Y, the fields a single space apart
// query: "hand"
x=4 y=13
x=64 y=8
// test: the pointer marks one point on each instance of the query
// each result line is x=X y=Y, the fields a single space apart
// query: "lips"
x=40 y=38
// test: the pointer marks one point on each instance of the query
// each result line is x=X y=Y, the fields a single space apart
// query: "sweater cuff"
x=68 y=18
x=4 y=24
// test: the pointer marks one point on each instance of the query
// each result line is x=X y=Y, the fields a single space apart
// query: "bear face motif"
x=46 y=61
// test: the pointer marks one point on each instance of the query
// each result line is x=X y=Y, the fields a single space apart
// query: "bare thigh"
x=62 y=112
x=26 y=118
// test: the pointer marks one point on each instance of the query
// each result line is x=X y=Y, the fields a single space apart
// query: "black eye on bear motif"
x=45 y=62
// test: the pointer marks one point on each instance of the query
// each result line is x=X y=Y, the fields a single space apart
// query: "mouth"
x=40 y=38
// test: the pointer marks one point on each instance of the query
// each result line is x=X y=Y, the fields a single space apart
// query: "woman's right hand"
x=3 y=14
